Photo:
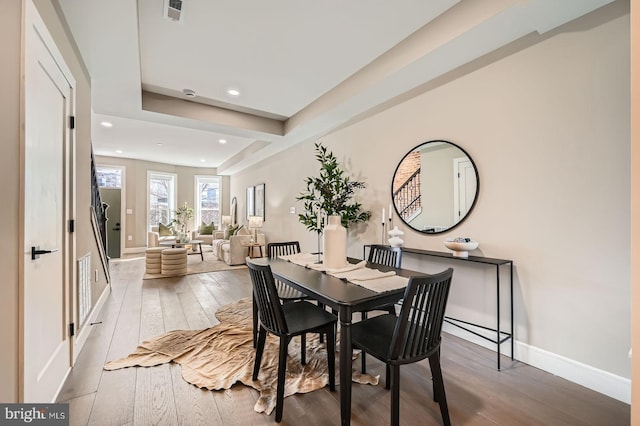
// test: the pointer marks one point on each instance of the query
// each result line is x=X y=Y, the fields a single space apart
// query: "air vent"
x=173 y=9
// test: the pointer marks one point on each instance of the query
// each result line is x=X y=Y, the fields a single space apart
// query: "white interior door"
x=464 y=188
x=46 y=304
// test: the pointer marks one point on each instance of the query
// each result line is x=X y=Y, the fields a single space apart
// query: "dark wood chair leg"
x=262 y=338
x=303 y=348
x=395 y=395
x=331 y=357
x=282 y=369
x=255 y=321
x=387 y=381
x=438 y=384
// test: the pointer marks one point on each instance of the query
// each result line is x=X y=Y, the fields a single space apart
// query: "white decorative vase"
x=335 y=244
x=394 y=237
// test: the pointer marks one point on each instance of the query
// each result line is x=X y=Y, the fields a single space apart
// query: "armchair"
x=154 y=238
x=232 y=251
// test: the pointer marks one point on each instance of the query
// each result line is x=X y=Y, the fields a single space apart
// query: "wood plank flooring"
x=136 y=310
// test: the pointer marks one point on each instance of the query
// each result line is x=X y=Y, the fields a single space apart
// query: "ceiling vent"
x=173 y=9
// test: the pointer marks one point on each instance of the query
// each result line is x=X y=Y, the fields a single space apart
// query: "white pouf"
x=174 y=261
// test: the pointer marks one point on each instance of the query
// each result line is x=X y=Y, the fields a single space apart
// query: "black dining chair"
x=287 y=321
x=414 y=335
x=285 y=292
x=387 y=256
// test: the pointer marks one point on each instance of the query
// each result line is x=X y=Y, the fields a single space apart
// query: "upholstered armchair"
x=204 y=234
x=154 y=239
x=232 y=251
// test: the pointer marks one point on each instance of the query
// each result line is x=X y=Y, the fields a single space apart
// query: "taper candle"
x=390 y=212
x=383 y=215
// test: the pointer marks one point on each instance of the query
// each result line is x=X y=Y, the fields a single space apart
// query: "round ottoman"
x=153 y=260
x=174 y=261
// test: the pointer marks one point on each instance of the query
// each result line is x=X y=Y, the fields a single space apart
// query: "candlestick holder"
x=383 y=234
x=319 y=248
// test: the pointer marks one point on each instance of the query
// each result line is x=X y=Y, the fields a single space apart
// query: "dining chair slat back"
x=287 y=321
x=385 y=255
x=266 y=299
x=412 y=336
x=282 y=248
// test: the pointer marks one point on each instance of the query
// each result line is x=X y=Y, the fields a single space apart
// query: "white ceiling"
x=303 y=68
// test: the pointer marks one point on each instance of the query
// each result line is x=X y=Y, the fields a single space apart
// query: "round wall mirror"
x=435 y=187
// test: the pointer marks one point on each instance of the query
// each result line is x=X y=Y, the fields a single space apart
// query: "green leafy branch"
x=331 y=193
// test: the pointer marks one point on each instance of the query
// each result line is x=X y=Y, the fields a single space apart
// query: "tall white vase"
x=335 y=244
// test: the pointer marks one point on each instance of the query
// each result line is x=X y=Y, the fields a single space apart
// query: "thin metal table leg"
x=511 y=289
x=498 y=311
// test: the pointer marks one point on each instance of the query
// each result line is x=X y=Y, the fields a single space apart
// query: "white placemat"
x=381 y=285
x=302 y=259
x=363 y=274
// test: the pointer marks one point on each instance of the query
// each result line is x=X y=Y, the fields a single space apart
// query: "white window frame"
x=197 y=204
x=171 y=197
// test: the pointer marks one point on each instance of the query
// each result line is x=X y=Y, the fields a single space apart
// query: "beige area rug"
x=218 y=357
x=197 y=266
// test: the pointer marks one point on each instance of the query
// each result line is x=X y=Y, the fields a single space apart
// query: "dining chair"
x=287 y=321
x=414 y=335
x=387 y=256
x=286 y=293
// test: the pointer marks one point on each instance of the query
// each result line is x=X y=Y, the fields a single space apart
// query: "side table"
x=251 y=249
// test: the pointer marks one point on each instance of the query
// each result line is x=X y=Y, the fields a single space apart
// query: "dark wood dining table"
x=346 y=298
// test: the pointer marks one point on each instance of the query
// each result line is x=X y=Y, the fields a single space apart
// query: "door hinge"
x=72 y=329
x=72 y=225
x=72 y=122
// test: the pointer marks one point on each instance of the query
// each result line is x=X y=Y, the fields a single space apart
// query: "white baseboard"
x=601 y=381
x=85 y=330
x=130 y=250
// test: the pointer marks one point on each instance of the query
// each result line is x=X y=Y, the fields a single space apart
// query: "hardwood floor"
x=136 y=310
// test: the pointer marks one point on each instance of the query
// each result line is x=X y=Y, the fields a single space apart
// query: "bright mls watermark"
x=34 y=414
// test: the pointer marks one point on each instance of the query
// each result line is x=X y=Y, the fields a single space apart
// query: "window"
x=109 y=177
x=207 y=200
x=162 y=197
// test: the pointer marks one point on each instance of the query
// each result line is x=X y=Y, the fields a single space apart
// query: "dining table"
x=344 y=297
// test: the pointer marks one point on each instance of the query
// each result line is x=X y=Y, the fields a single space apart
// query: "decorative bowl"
x=461 y=246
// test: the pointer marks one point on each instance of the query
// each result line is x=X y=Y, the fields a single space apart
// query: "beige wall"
x=10 y=27
x=136 y=192
x=635 y=207
x=548 y=128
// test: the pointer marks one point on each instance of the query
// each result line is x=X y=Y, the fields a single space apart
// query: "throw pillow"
x=207 y=229
x=232 y=230
x=164 y=230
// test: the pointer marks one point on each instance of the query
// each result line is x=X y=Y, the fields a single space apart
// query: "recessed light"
x=106 y=124
x=189 y=93
x=202 y=160
x=222 y=141
x=233 y=92
x=118 y=151
x=159 y=144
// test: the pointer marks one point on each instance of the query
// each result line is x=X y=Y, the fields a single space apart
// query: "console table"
x=501 y=336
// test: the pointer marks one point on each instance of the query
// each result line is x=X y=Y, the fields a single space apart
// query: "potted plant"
x=183 y=214
x=330 y=194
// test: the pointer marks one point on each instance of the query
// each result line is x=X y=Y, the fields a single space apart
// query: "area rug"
x=215 y=358
x=197 y=266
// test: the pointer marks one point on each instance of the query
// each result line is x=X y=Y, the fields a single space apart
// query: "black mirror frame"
x=475 y=199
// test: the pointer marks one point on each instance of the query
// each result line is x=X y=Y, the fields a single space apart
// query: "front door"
x=111 y=197
x=46 y=312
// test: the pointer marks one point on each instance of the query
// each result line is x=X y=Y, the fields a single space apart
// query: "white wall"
x=548 y=128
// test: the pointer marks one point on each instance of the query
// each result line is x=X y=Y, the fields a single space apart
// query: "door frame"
x=32 y=18
x=123 y=197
